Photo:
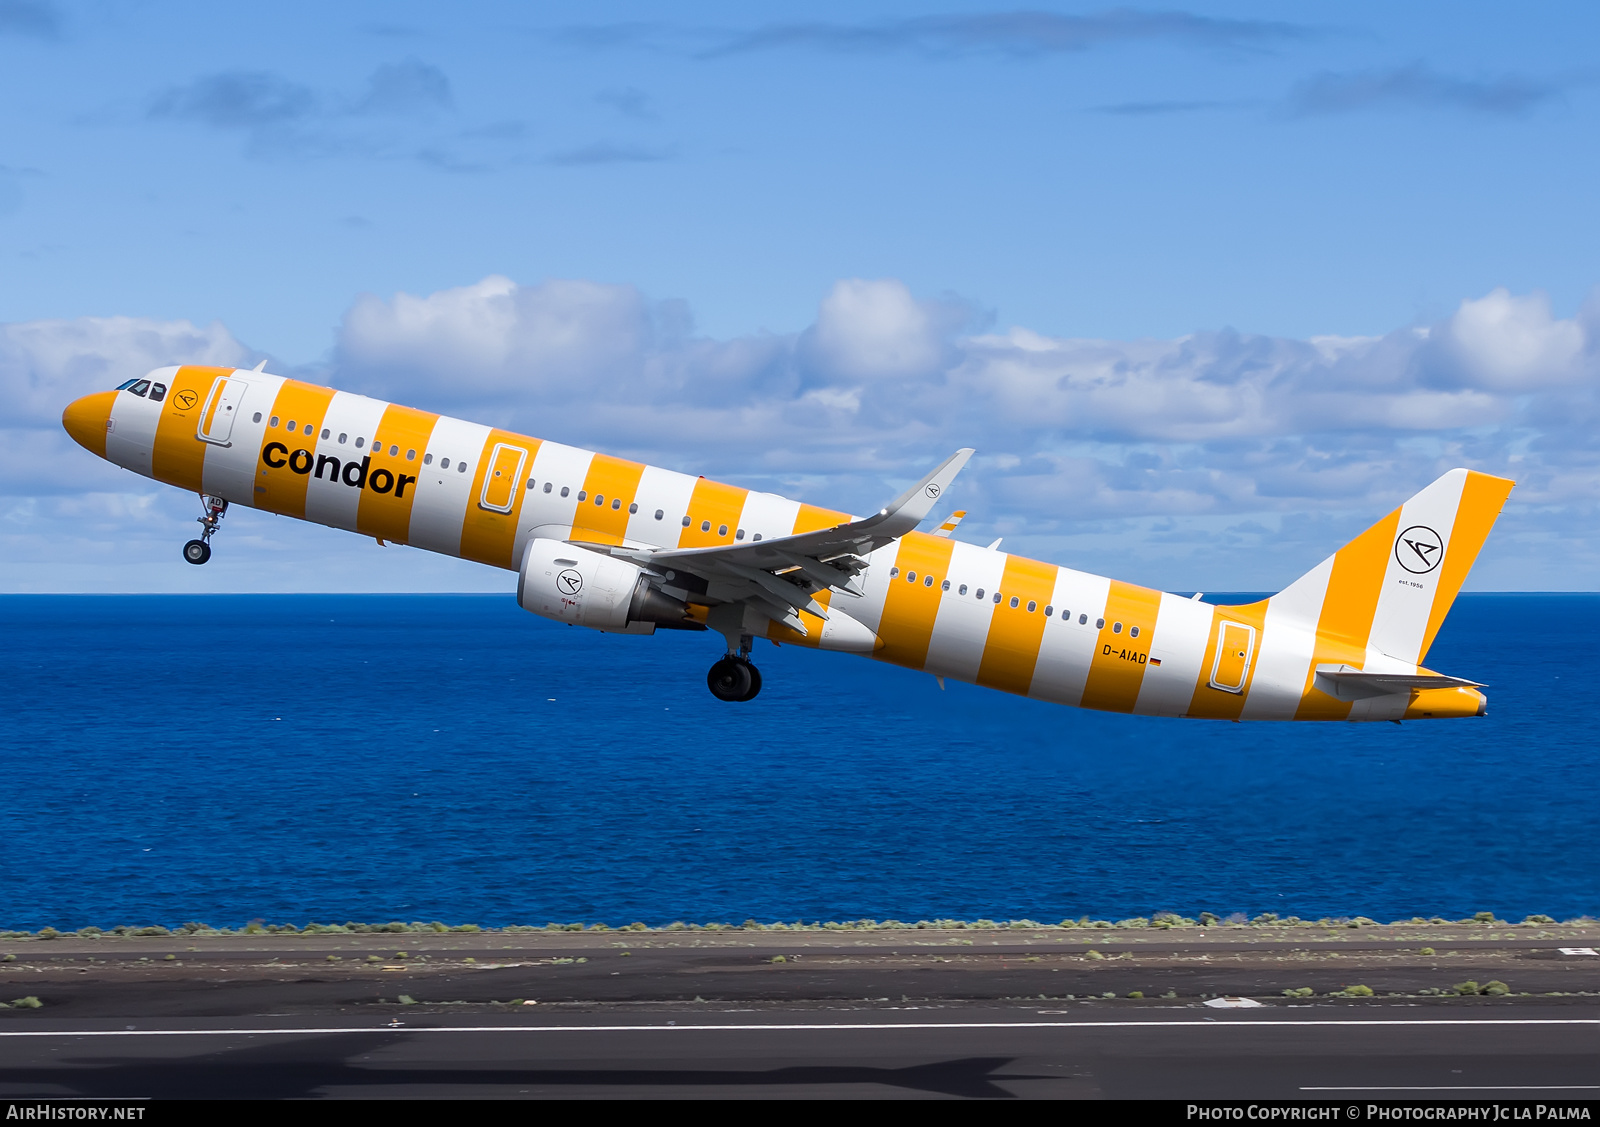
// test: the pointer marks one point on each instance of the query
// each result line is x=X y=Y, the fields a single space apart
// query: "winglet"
x=907 y=511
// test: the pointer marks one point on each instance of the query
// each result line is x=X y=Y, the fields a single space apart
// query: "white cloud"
x=1148 y=455
x=1507 y=343
x=868 y=330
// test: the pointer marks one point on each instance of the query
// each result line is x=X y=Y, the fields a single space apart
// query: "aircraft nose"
x=87 y=420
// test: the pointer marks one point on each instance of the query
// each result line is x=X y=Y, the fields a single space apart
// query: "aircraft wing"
x=779 y=577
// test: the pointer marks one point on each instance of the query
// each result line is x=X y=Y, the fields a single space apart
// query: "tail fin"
x=949 y=525
x=1388 y=590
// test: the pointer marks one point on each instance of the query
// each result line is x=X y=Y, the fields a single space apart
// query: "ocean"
x=296 y=758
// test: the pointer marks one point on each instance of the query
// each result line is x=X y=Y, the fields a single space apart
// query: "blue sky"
x=1209 y=287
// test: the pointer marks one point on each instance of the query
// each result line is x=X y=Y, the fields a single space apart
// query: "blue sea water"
x=331 y=758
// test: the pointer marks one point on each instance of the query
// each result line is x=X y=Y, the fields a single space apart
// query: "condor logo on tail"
x=1419 y=549
x=354 y=474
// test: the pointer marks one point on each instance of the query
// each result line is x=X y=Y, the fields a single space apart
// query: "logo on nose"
x=185 y=400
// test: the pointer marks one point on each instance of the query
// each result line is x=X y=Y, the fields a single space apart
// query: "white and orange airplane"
x=623 y=547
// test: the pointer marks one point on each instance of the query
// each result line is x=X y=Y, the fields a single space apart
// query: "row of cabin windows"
x=377 y=443
x=155 y=392
x=997 y=597
x=616 y=504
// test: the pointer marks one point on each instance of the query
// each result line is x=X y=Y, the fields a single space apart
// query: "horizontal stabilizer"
x=1349 y=683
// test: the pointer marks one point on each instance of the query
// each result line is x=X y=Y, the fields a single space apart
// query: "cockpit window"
x=140 y=387
x=125 y=385
x=158 y=392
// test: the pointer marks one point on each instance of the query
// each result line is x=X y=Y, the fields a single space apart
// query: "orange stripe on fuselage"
x=1117 y=669
x=487 y=535
x=1348 y=608
x=1217 y=704
x=1011 y=649
x=1482 y=498
x=910 y=604
x=612 y=484
x=302 y=404
x=716 y=504
x=386 y=512
x=812 y=519
x=179 y=456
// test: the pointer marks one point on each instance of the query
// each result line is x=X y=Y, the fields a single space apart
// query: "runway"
x=1313 y=1052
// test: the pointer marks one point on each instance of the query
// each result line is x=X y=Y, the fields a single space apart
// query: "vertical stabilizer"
x=1385 y=594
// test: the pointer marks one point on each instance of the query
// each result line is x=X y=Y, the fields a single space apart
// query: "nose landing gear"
x=199 y=551
x=734 y=678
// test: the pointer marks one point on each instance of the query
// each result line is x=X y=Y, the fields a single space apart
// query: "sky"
x=1209 y=288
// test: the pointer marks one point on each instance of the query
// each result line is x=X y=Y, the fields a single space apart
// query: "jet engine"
x=572 y=584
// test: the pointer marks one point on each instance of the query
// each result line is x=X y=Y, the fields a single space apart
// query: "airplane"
x=623 y=547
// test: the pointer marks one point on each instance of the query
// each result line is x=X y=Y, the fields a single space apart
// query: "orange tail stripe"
x=1347 y=612
x=1482 y=498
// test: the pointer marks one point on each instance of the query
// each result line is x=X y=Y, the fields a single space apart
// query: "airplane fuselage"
x=928 y=602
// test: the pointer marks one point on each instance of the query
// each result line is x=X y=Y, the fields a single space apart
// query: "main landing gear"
x=734 y=677
x=199 y=551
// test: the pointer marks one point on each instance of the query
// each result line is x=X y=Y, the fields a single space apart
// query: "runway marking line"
x=874 y=1026
x=1461 y=1088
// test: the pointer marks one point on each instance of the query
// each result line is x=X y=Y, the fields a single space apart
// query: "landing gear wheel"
x=732 y=679
x=197 y=551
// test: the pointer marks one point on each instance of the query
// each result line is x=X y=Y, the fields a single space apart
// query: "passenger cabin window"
x=633 y=508
x=961 y=590
x=325 y=433
x=549 y=485
x=739 y=535
x=427 y=459
x=616 y=503
x=531 y=484
x=686 y=522
x=344 y=435
x=911 y=577
x=722 y=530
x=893 y=571
x=565 y=489
x=1014 y=602
x=272 y=422
x=1048 y=611
x=461 y=467
x=411 y=455
x=583 y=494
x=1099 y=624
x=705 y=526
x=927 y=581
x=756 y=537
x=393 y=450
x=256 y=418
x=1133 y=631
x=1083 y=620
x=360 y=442
x=980 y=592
x=660 y=513
x=1032 y=606
x=998 y=596
x=1116 y=627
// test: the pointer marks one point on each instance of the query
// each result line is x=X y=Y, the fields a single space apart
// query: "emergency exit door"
x=1236 y=646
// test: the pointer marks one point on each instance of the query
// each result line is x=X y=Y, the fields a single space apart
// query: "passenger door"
x=222 y=406
x=503 y=478
x=1236 y=645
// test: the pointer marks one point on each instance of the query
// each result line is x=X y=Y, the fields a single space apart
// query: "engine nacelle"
x=572 y=584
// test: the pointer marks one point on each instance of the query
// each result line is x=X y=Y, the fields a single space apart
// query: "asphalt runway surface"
x=976 y=1054
x=733 y=1014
